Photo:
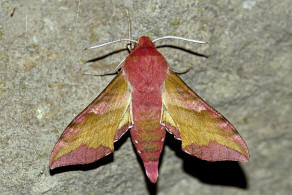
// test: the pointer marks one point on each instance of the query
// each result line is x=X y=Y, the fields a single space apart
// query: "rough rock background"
x=247 y=77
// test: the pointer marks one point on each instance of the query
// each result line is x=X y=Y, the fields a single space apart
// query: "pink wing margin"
x=90 y=136
x=204 y=132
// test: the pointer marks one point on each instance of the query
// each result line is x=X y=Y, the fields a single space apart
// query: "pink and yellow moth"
x=148 y=99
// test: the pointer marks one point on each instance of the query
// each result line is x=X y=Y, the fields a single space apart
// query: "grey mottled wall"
x=247 y=77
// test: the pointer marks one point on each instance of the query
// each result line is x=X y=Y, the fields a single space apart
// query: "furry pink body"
x=146 y=69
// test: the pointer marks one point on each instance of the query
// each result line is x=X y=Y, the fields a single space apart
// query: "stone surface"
x=247 y=77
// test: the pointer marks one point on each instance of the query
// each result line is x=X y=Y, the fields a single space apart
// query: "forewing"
x=204 y=132
x=91 y=134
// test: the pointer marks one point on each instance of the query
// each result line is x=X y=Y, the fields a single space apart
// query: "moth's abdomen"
x=147 y=133
x=148 y=139
x=149 y=144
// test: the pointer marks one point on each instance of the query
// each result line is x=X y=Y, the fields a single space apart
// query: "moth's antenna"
x=111 y=42
x=130 y=39
x=131 y=45
x=179 y=38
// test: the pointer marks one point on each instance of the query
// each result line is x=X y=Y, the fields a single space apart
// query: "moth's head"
x=145 y=41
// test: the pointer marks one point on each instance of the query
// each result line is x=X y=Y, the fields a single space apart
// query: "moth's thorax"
x=145 y=67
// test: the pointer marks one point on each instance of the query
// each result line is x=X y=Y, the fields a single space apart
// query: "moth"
x=148 y=99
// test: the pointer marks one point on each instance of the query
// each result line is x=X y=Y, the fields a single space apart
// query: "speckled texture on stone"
x=247 y=77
